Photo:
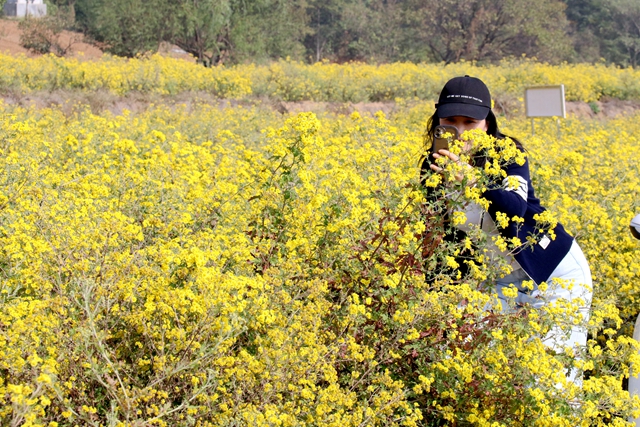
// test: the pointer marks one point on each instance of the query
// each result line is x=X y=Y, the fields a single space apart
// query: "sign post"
x=544 y=101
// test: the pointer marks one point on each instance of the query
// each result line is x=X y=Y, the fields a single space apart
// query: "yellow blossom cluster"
x=234 y=266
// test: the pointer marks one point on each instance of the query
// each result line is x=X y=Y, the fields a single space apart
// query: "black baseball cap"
x=464 y=96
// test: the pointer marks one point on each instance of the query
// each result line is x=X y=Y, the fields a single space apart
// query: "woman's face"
x=464 y=124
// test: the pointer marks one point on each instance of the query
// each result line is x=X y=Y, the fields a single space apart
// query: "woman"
x=552 y=257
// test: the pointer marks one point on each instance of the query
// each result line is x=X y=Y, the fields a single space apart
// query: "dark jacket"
x=537 y=260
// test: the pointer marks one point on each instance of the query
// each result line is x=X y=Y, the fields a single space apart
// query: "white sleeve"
x=521 y=189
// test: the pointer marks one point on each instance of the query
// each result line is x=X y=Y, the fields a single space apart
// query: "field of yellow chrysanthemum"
x=197 y=265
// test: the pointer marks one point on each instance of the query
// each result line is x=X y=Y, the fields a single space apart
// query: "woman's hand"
x=452 y=158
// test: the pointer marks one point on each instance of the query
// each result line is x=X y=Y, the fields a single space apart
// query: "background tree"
x=586 y=17
x=624 y=32
x=66 y=7
x=201 y=28
x=325 y=22
x=606 y=29
x=486 y=30
x=232 y=31
x=372 y=31
x=125 y=27
x=268 y=29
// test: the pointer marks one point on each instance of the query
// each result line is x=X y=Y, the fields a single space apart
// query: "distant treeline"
x=374 y=31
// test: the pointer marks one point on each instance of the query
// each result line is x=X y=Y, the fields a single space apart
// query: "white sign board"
x=545 y=101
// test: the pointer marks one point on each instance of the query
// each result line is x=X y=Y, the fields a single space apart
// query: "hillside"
x=10 y=41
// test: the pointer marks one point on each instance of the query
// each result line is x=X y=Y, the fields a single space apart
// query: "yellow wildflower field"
x=293 y=81
x=235 y=266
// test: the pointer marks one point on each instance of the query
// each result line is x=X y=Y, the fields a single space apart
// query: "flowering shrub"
x=155 y=74
x=293 y=81
x=235 y=267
